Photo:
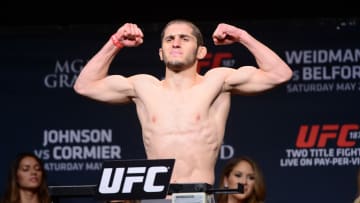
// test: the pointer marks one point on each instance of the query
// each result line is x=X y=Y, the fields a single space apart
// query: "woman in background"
x=26 y=182
x=245 y=171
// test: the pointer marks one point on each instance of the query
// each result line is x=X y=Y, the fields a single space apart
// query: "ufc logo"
x=114 y=180
x=215 y=60
x=320 y=135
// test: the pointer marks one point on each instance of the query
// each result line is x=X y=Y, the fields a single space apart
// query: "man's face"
x=179 y=47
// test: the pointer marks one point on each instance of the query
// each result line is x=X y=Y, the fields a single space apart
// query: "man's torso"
x=187 y=125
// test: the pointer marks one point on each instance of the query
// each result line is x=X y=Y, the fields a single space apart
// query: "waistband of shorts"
x=188 y=187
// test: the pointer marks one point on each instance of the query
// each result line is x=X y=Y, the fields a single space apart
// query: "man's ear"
x=160 y=54
x=201 y=52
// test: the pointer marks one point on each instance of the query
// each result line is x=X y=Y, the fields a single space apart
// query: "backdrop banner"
x=304 y=133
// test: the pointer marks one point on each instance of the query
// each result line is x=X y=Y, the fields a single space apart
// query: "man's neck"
x=181 y=79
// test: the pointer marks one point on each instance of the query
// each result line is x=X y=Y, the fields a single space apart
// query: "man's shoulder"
x=144 y=78
x=144 y=81
x=218 y=72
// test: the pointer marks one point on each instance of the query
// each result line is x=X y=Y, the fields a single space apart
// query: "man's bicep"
x=245 y=80
x=114 y=89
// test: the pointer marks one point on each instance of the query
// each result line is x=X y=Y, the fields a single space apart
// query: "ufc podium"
x=145 y=180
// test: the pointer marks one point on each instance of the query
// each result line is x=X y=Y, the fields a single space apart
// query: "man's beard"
x=179 y=65
x=175 y=65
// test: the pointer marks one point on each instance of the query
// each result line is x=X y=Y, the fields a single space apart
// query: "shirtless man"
x=182 y=116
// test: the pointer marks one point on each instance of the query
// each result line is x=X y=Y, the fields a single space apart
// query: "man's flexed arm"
x=93 y=80
x=272 y=69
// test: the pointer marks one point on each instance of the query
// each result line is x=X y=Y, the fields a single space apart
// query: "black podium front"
x=71 y=191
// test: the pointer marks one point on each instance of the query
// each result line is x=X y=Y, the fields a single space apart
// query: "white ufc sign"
x=135 y=179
